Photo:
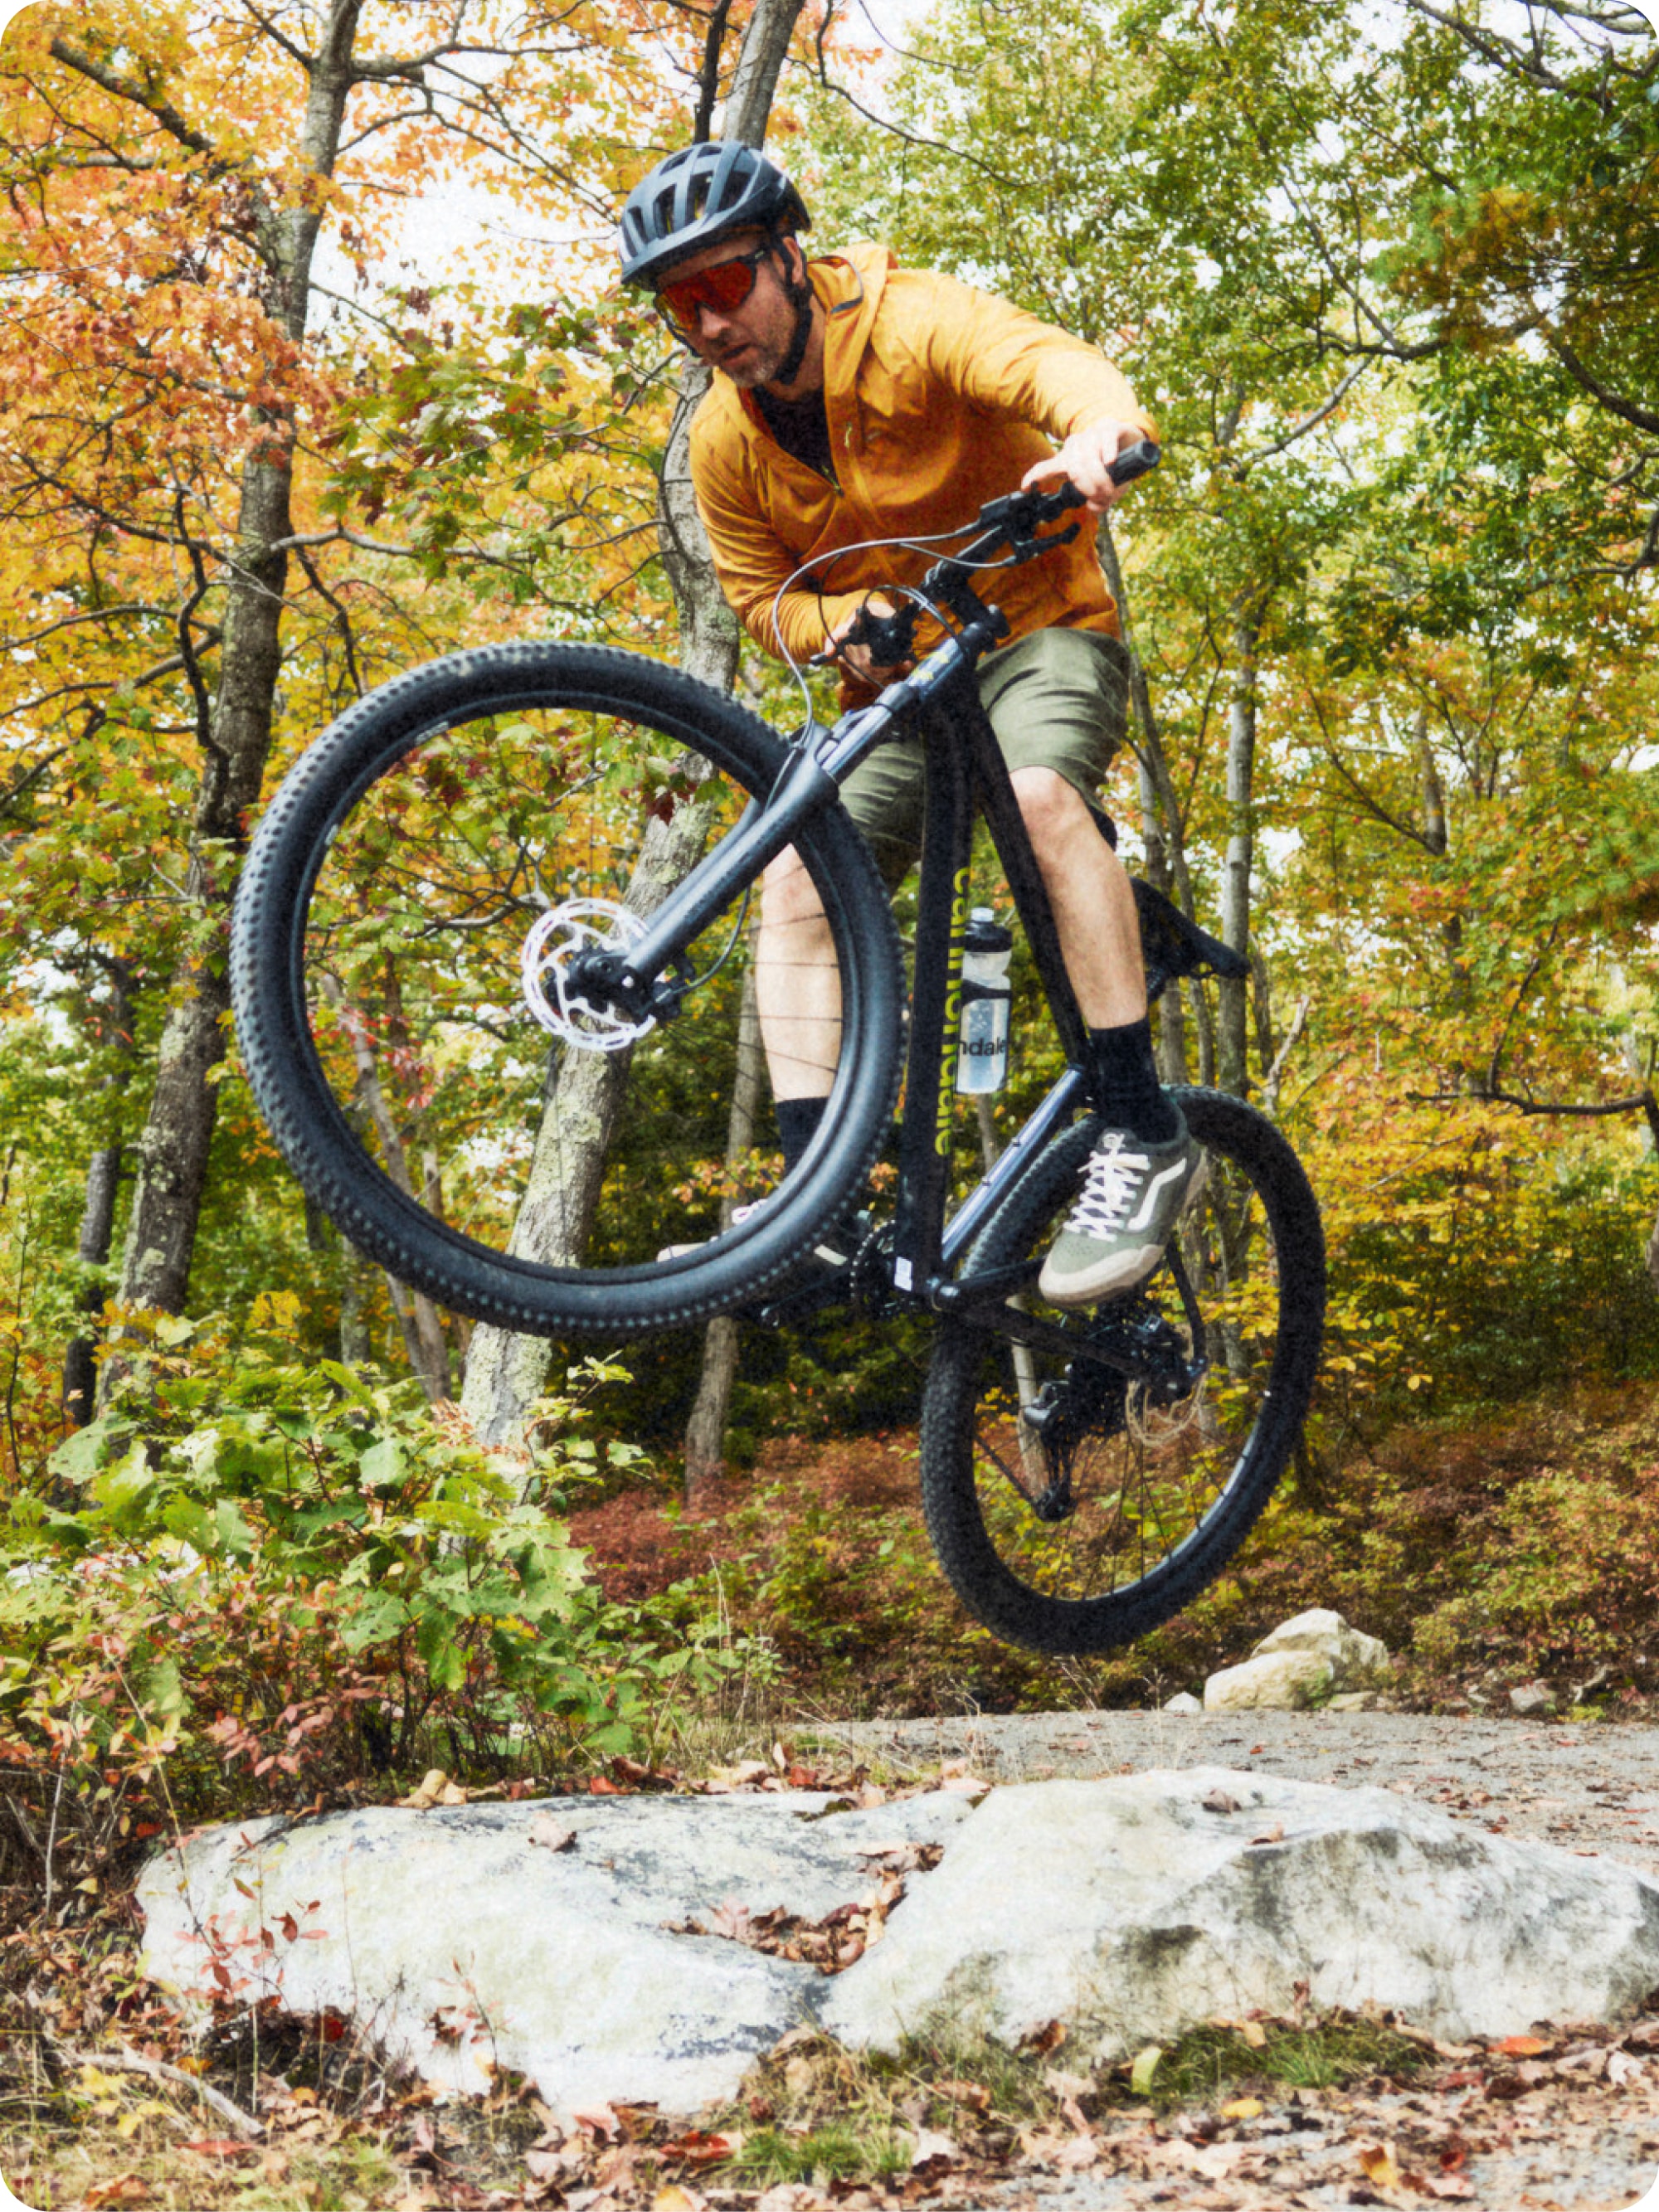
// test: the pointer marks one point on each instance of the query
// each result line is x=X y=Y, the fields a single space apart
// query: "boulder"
x=1183 y=1702
x=530 y=1936
x=1306 y=1661
x=537 y=1937
x=1134 y=1907
x=1279 y=1682
x=1532 y=1700
x=1357 y=1661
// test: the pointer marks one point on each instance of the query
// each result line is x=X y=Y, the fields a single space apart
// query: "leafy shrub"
x=279 y=1575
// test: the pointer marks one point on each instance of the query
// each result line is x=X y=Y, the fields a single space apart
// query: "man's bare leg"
x=797 y=983
x=1093 y=901
x=798 y=987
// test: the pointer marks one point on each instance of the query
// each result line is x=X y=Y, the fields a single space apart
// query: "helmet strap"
x=797 y=291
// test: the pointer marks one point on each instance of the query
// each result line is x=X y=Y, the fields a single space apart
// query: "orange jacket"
x=939 y=398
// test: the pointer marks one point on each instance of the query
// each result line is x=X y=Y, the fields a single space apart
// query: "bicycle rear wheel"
x=1072 y=1509
x=381 y=1009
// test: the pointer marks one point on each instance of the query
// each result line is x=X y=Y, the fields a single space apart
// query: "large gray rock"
x=1129 y=1908
x=1133 y=1907
x=456 y=1939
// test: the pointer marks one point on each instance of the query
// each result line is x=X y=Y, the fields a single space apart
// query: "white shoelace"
x=1109 y=1186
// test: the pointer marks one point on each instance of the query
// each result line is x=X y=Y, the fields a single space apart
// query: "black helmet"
x=701 y=194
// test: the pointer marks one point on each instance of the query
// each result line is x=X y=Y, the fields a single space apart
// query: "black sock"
x=798 y=1124
x=1123 y=1077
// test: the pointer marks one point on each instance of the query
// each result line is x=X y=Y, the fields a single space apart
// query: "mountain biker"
x=854 y=399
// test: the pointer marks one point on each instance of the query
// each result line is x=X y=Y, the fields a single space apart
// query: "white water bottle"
x=982 y=1060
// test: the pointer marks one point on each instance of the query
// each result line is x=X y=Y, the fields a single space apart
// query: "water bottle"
x=982 y=1060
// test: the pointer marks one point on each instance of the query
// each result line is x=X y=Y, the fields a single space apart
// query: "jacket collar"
x=850 y=285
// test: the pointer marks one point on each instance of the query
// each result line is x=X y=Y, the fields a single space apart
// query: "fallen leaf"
x=221 y=2146
x=698 y=2147
x=1075 y=2155
x=1042 y=2040
x=1219 y=1801
x=1521 y=2046
x=1622 y=2067
x=1145 y=2066
x=929 y=2145
x=1274 y=1833
x=1447 y=2185
x=430 y=1792
x=746 y=1775
x=1381 y=2168
x=677 y=2198
x=1243 y=2108
x=125 y=2189
x=1252 y=2033
x=970 y=2093
x=1064 y=2084
x=552 y=1835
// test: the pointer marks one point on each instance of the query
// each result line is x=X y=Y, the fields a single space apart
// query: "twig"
x=133 y=2062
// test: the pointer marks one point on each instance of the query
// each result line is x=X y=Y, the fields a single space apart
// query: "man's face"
x=750 y=342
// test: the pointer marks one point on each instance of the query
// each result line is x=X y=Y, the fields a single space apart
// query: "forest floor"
x=880 y=1678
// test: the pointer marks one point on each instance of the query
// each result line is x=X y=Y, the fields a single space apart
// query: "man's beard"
x=758 y=364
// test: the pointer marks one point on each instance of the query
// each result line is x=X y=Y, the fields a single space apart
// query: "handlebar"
x=1011 y=522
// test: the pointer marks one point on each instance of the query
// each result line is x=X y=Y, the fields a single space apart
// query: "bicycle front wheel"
x=1072 y=1507
x=384 y=994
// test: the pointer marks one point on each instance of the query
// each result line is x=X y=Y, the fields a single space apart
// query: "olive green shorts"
x=1056 y=700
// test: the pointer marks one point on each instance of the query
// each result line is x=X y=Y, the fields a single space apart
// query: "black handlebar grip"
x=1136 y=461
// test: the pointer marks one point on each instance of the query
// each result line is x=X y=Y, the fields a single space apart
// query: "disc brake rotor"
x=580 y=925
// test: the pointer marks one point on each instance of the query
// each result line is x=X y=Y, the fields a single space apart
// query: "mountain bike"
x=468 y=908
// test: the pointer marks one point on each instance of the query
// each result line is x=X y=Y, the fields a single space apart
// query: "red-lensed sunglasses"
x=723 y=288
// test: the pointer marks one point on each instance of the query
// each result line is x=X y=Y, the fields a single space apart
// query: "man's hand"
x=857 y=657
x=1085 y=458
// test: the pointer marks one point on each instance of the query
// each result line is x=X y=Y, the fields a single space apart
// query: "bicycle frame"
x=964 y=764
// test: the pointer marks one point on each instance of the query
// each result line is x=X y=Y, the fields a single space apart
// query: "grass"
x=1330 y=2054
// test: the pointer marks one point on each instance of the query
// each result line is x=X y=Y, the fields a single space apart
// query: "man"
x=852 y=399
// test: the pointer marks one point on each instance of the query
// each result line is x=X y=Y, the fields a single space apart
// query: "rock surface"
x=1279 y=1681
x=532 y=1935
x=457 y=1939
x=1133 y=1907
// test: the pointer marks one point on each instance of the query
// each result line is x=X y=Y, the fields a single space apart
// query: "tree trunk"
x=705 y=1432
x=1233 y=1057
x=1163 y=830
x=173 y=1148
x=98 y=1217
x=506 y=1374
x=92 y=1250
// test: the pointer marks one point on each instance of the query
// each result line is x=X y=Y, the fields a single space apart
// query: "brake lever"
x=891 y=638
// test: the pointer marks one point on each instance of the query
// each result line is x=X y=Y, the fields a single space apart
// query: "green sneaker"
x=1132 y=1195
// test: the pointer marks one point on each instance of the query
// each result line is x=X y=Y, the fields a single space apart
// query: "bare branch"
x=129 y=89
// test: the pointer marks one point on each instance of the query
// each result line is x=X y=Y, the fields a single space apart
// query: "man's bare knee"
x=1053 y=809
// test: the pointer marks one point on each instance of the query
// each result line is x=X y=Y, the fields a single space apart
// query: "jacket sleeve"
x=752 y=561
x=1011 y=363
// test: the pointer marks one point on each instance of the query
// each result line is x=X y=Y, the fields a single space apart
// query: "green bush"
x=253 y=1579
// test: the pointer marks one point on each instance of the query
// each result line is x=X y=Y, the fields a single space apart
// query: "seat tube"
x=935 y=1002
